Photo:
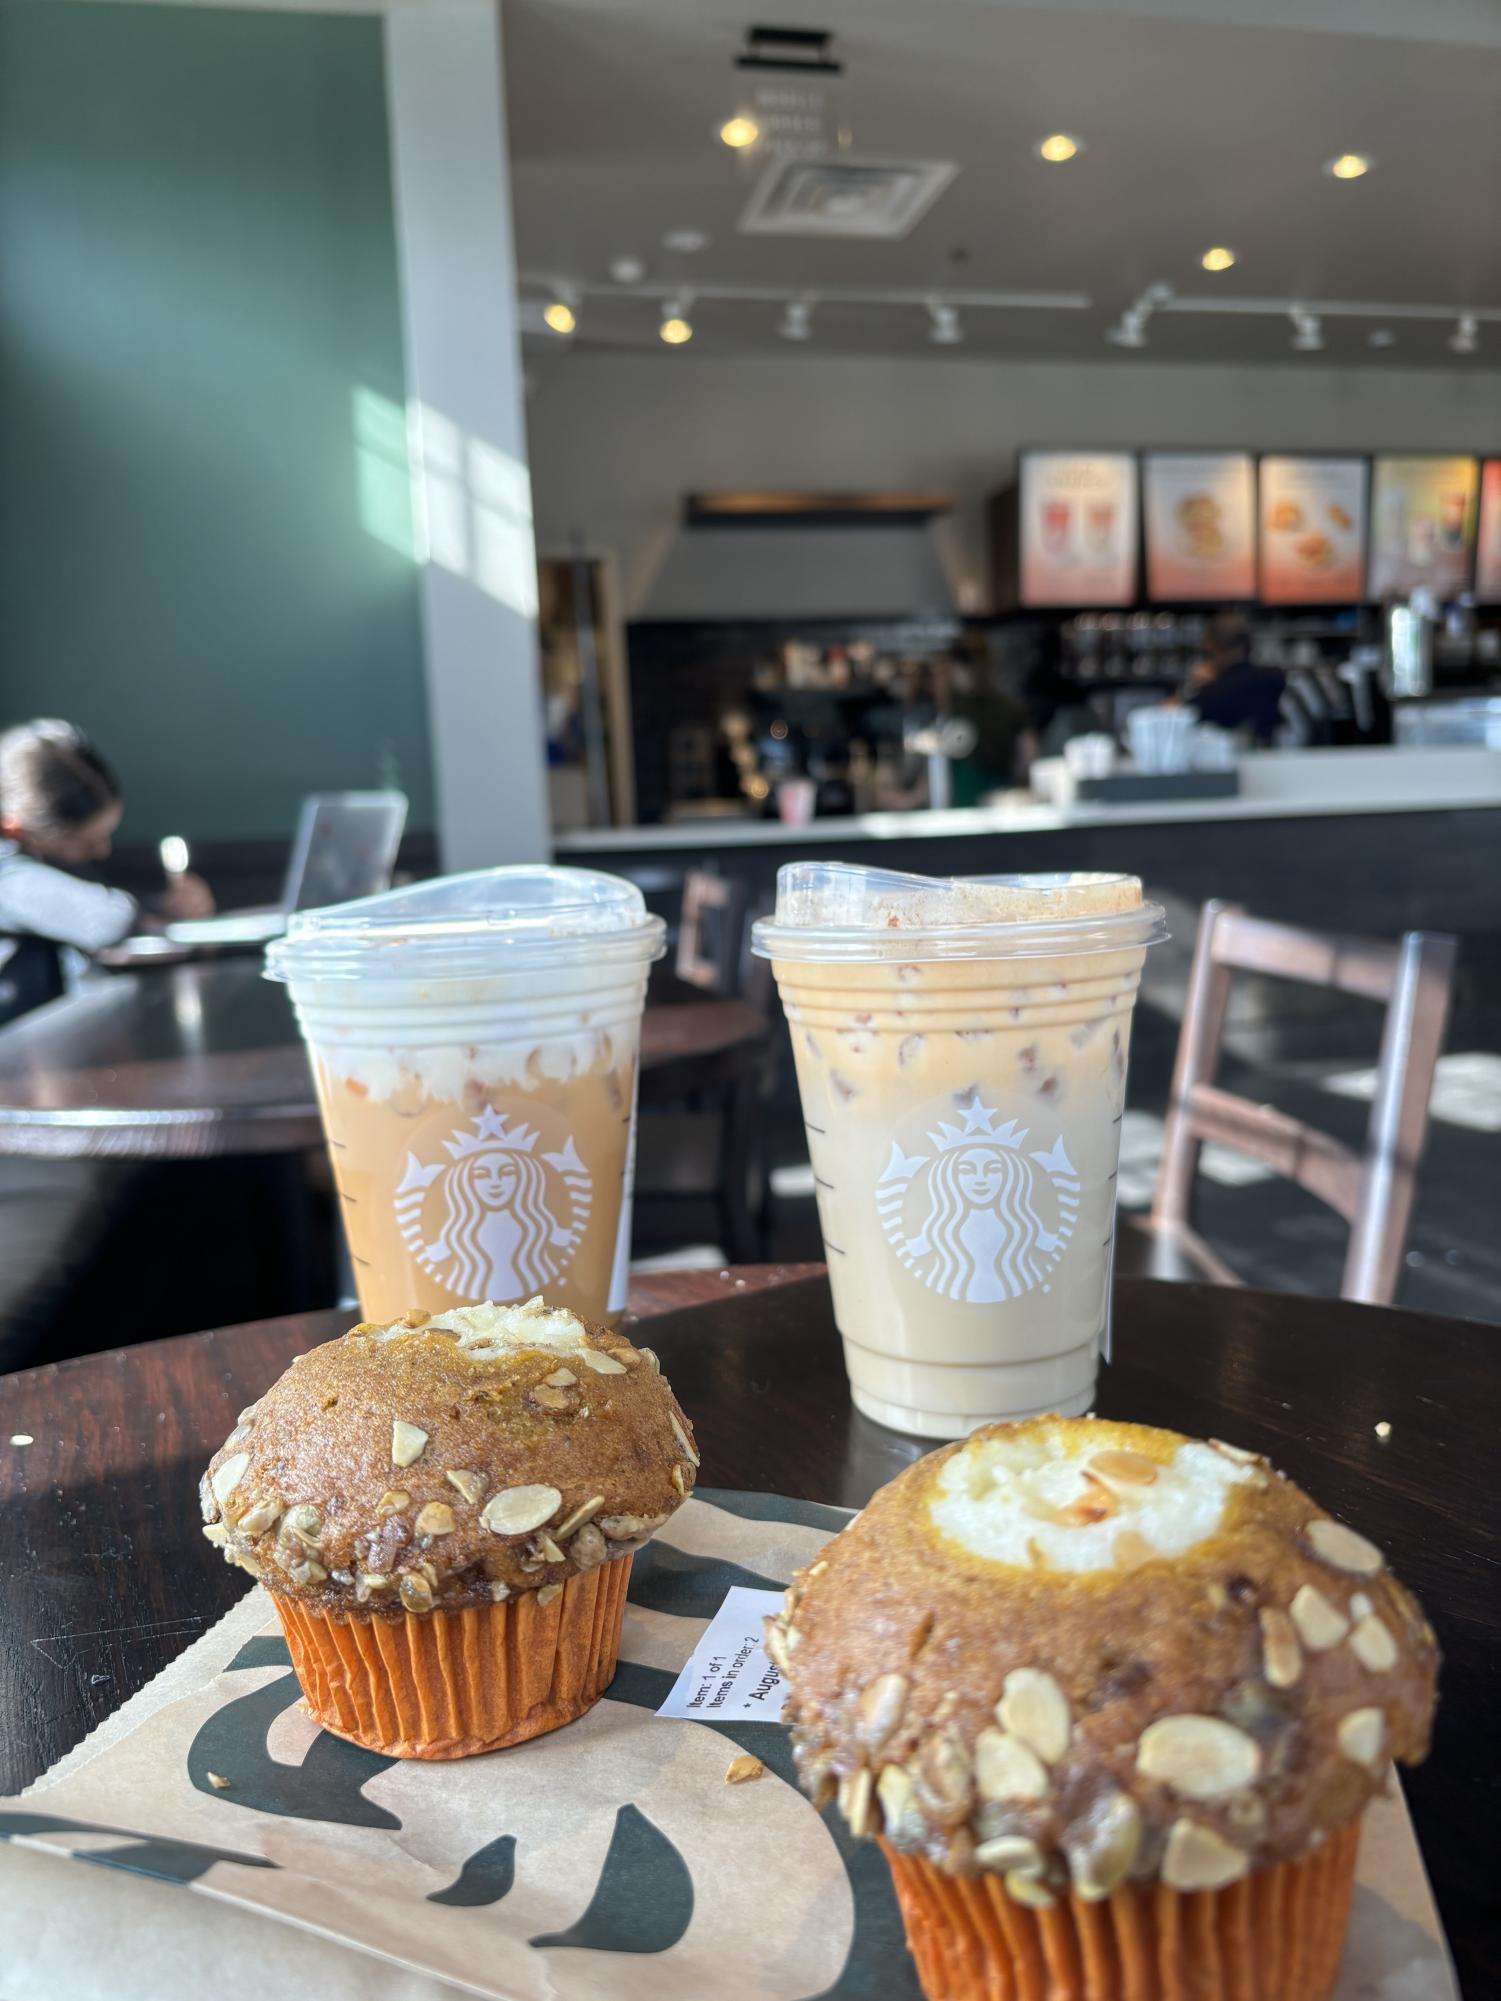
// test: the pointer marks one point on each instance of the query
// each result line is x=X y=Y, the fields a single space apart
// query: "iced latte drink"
x=961 y=1054
x=475 y=1045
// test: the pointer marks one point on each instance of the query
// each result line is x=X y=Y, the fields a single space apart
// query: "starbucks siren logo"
x=979 y=1218
x=498 y=1220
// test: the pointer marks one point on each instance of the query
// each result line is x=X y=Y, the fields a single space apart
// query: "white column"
x=471 y=486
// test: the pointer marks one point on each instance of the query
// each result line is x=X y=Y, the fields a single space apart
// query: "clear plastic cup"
x=961 y=1053
x=475 y=1044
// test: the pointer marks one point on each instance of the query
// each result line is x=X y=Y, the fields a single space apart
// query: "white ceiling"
x=1198 y=131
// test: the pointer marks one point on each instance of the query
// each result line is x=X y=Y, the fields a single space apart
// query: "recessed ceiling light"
x=676 y=327
x=1465 y=338
x=1218 y=258
x=627 y=270
x=1381 y=337
x=559 y=315
x=1348 y=166
x=797 y=320
x=739 y=132
x=945 y=330
x=686 y=242
x=1058 y=147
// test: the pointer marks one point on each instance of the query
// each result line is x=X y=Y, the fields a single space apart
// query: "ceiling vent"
x=843 y=197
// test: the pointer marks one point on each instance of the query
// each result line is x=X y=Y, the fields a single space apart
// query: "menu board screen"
x=1422 y=525
x=1312 y=542
x=1201 y=525
x=1078 y=528
x=1488 y=546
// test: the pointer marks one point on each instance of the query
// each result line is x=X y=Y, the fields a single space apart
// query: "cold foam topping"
x=452 y=1071
x=490 y=1331
x=1049 y=1500
x=834 y=910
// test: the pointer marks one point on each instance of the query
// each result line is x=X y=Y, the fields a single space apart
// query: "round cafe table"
x=192 y=1061
x=107 y=1576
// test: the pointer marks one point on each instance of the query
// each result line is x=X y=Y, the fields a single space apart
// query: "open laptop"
x=345 y=847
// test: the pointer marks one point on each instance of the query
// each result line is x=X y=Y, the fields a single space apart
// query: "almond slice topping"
x=408 y=1442
x=1281 y=1656
x=1361 y=1735
x=1127 y=1469
x=519 y=1510
x=1343 y=1548
x=1034 y=1709
x=1006 y=1770
x=1200 y=1757
x=1196 y=1858
x=1320 y=1626
x=1373 y=1646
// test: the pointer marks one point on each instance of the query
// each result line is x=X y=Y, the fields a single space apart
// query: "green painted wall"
x=204 y=542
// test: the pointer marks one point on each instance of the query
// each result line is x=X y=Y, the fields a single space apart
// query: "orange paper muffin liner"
x=1276 y=1935
x=450 y=1684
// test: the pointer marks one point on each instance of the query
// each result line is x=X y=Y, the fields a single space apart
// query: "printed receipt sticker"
x=610 y=1859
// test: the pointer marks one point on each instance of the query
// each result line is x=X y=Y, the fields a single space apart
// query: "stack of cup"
x=961 y=1053
x=475 y=1044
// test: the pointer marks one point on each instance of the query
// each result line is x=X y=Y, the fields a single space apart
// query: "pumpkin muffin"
x=444 y=1511
x=1113 y=1701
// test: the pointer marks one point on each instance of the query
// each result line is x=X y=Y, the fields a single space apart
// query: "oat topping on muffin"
x=1078 y=1654
x=449 y=1459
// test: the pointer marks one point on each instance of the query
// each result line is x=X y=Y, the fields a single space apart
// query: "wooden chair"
x=710 y=1148
x=1373 y=1191
x=711 y=930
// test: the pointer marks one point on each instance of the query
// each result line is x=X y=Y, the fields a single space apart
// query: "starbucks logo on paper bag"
x=980 y=1216
x=501 y=1217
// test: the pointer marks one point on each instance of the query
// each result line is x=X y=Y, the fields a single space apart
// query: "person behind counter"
x=60 y=804
x=1228 y=689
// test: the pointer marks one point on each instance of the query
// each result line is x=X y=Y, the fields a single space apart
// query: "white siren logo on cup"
x=981 y=1217
x=499 y=1219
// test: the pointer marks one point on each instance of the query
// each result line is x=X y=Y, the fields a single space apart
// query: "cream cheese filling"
x=1056 y=1501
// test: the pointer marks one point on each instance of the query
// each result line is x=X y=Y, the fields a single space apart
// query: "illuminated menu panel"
x=1488 y=546
x=1422 y=525
x=1200 y=526
x=1078 y=529
x=1313 y=527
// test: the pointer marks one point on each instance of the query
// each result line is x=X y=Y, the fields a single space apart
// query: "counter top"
x=1275 y=785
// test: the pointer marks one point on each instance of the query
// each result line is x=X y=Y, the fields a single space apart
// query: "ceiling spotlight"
x=1131 y=331
x=1058 y=147
x=627 y=270
x=1308 y=337
x=686 y=242
x=1218 y=258
x=1381 y=337
x=1465 y=338
x=676 y=327
x=945 y=330
x=739 y=132
x=797 y=320
x=558 y=314
x=1348 y=166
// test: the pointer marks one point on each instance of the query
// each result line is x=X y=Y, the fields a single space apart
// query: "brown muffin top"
x=1078 y=1654
x=448 y=1460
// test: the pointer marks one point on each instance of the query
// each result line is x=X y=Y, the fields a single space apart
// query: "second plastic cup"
x=475 y=1045
x=961 y=1054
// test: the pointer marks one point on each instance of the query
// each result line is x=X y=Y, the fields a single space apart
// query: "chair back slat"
x=1297 y=1151
x=710 y=931
x=1375 y=1191
x=1363 y=966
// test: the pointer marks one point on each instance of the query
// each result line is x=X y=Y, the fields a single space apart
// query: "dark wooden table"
x=106 y=1576
x=184 y=1062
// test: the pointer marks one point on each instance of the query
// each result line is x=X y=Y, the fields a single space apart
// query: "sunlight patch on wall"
x=383 y=480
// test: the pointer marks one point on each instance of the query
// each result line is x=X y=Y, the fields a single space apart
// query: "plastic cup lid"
x=833 y=912
x=462 y=926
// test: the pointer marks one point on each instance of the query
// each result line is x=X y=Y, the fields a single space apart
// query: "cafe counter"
x=1359 y=840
